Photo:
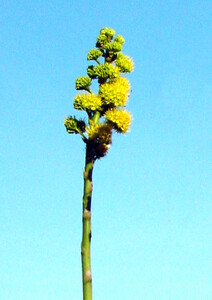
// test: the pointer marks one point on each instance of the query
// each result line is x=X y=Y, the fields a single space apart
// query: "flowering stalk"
x=106 y=113
x=86 y=236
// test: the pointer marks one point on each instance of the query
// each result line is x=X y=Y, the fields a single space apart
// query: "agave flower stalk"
x=106 y=113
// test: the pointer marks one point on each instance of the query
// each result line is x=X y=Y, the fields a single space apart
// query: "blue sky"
x=152 y=209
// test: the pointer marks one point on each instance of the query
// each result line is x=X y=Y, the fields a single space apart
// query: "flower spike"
x=106 y=113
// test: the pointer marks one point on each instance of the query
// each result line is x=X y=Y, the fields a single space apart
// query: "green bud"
x=94 y=54
x=106 y=71
x=90 y=72
x=73 y=125
x=120 y=55
x=120 y=39
x=102 y=40
x=107 y=31
x=82 y=83
x=113 y=47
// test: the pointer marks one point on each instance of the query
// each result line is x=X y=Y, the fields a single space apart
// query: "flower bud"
x=107 y=31
x=113 y=47
x=73 y=125
x=101 y=41
x=120 y=39
x=94 y=54
x=106 y=71
x=82 y=83
x=91 y=72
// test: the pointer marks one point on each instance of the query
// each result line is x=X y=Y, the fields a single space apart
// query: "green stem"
x=86 y=217
x=86 y=220
x=96 y=116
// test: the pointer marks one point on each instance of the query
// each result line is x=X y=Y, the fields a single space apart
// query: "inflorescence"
x=106 y=109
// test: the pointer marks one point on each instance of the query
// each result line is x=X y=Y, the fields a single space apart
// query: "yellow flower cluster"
x=115 y=92
x=124 y=63
x=121 y=119
x=87 y=102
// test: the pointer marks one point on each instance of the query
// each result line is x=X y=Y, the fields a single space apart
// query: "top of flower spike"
x=105 y=36
x=107 y=31
x=105 y=110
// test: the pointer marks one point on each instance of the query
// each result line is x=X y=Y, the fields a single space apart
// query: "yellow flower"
x=115 y=92
x=87 y=102
x=124 y=63
x=121 y=119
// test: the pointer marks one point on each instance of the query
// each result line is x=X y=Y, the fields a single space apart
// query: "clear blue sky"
x=152 y=208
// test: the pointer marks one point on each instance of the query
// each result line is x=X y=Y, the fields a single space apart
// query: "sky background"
x=151 y=209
